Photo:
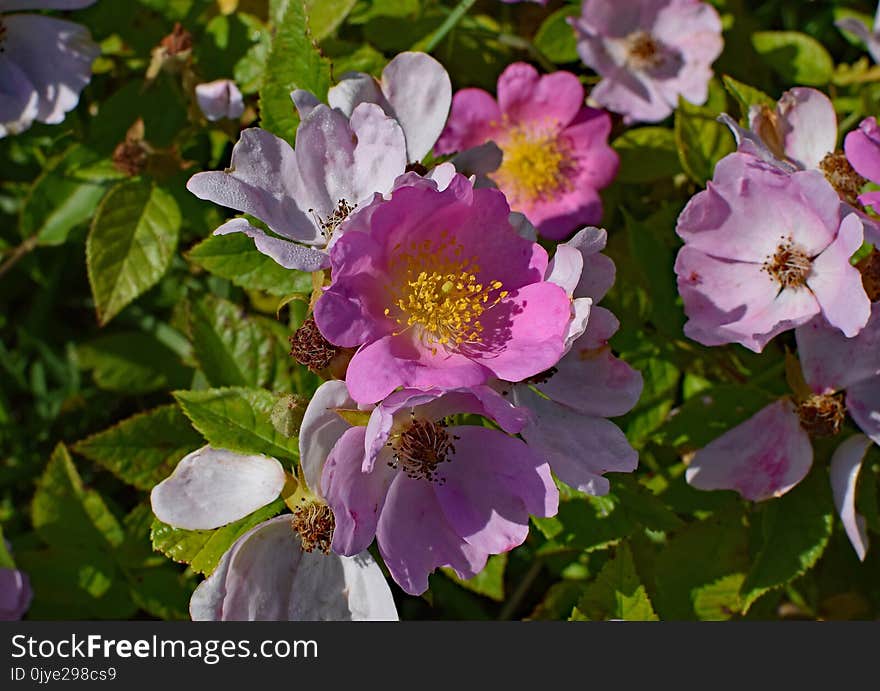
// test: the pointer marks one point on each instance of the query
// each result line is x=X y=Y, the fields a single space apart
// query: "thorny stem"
x=447 y=26
x=17 y=254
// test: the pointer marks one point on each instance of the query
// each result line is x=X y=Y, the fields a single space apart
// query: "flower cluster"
x=470 y=363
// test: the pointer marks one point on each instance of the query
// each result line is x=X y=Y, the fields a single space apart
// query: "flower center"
x=536 y=164
x=420 y=448
x=328 y=225
x=822 y=415
x=870 y=270
x=437 y=291
x=314 y=523
x=643 y=50
x=790 y=266
x=843 y=178
x=309 y=347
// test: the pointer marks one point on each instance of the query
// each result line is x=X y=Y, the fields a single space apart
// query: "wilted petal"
x=763 y=457
x=845 y=466
x=265 y=576
x=212 y=487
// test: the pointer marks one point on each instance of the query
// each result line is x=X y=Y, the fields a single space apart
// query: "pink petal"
x=212 y=487
x=837 y=284
x=474 y=119
x=525 y=96
x=863 y=405
x=415 y=538
x=579 y=448
x=356 y=497
x=491 y=485
x=763 y=457
x=845 y=466
x=862 y=148
x=808 y=124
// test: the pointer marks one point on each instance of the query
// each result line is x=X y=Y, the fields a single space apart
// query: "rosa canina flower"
x=45 y=63
x=305 y=195
x=555 y=152
x=281 y=568
x=771 y=452
x=434 y=493
x=766 y=251
x=800 y=133
x=437 y=289
x=648 y=53
x=570 y=401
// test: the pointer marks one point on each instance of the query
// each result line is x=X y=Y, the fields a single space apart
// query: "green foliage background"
x=129 y=336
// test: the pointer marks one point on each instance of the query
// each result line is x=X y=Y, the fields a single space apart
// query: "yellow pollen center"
x=536 y=164
x=437 y=291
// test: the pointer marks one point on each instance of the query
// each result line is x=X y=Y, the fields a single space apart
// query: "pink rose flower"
x=648 y=53
x=437 y=289
x=555 y=149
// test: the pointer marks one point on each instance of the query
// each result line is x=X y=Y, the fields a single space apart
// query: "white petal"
x=286 y=253
x=353 y=89
x=321 y=428
x=845 y=466
x=212 y=487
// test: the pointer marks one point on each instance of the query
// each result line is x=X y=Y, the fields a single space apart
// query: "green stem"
x=17 y=254
x=449 y=24
x=521 y=43
x=522 y=589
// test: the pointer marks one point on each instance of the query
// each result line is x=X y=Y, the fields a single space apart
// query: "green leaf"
x=296 y=63
x=130 y=244
x=699 y=556
x=65 y=514
x=60 y=200
x=237 y=419
x=325 y=17
x=617 y=592
x=202 y=549
x=746 y=96
x=796 y=57
x=796 y=529
x=6 y=560
x=232 y=349
x=489 y=582
x=235 y=258
x=647 y=154
x=132 y=362
x=719 y=600
x=702 y=141
x=556 y=38
x=144 y=449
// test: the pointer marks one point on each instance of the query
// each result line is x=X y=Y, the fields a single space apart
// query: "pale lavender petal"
x=304 y=101
x=58 y=65
x=290 y=255
x=419 y=92
x=580 y=448
x=356 y=497
x=220 y=99
x=212 y=487
x=863 y=405
x=479 y=160
x=321 y=428
x=808 y=126
x=565 y=268
x=18 y=99
x=355 y=88
x=260 y=181
x=837 y=284
x=15 y=594
x=830 y=361
x=491 y=485
x=763 y=457
x=415 y=538
x=845 y=466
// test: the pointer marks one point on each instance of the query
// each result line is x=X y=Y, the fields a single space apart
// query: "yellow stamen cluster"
x=537 y=163
x=437 y=291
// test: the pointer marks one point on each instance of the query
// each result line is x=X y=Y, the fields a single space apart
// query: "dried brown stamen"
x=870 y=270
x=420 y=449
x=822 y=415
x=790 y=265
x=842 y=176
x=309 y=347
x=329 y=225
x=178 y=41
x=643 y=50
x=542 y=377
x=314 y=522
